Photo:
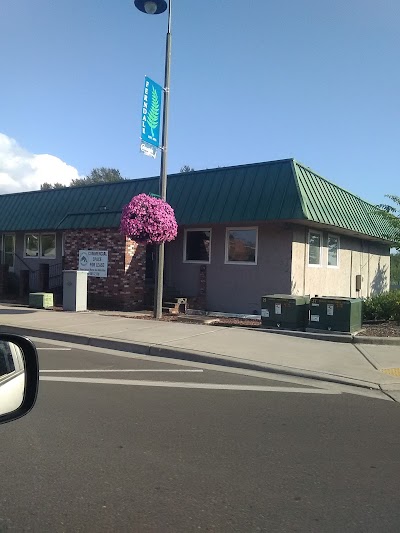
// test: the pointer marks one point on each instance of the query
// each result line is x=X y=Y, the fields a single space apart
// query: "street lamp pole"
x=155 y=7
x=163 y=168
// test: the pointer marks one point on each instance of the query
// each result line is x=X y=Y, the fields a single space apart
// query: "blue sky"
x=251 y=81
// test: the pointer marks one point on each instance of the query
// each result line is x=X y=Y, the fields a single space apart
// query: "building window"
x=43 y=245
x=333 y=250
x=9 y=250
x=48 y=245
x=241 y=246
x=197 y=246
x=314 y=248
x=31 y=248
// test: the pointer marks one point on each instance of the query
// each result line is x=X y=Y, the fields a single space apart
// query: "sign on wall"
x=94 y=261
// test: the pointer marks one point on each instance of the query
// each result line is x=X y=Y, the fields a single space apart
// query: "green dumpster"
x=331 y=313
x=285 y=311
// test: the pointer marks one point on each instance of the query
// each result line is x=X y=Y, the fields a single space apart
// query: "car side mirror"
x=19 y=376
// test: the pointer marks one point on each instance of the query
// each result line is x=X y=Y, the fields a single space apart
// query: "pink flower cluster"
x=148 y=220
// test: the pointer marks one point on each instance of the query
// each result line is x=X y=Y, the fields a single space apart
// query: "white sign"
x=265 y=313
x=278 y=309
x=95 y=262
x=314 y=318
x=148 y=149
x=329 y=309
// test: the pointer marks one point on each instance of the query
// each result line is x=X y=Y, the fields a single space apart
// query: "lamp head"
x=151 y=7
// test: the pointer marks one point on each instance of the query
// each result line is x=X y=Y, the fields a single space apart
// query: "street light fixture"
x=155 y=7
x=151 y=7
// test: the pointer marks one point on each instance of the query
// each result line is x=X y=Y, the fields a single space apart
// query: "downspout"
x=351 y=270
x=361 y=268
x=368 y=286
x=305 y=261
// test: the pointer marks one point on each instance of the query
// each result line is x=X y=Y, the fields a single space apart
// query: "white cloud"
x=22 y=171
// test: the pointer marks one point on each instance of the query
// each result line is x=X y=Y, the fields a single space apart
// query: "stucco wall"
x=234 y=288
x=356 y=256
x=379 y=269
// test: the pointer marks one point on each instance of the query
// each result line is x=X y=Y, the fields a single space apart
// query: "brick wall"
x=123 y=288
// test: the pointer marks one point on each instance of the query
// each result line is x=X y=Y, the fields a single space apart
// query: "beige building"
x=330 y=263
x=244 y=232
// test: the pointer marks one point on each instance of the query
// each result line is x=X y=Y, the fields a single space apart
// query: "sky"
x=251 y=81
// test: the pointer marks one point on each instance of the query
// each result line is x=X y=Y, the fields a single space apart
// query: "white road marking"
x=179 y=385
x=375 y=393
x=117 y=370
x=56 y=349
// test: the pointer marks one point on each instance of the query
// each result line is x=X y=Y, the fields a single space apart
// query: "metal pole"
x=163 y=169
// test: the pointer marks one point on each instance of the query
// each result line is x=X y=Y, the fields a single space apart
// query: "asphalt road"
x=123 y=444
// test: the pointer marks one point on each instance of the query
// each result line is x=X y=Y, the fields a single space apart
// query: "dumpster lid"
x=339 y=298
x=295 y=297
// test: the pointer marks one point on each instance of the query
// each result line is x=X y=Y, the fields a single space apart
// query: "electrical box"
x=41 y=300
x=75 y=290
x=285 y=311
x=328 y=313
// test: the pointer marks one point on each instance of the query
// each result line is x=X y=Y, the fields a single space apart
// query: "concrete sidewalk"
x=342 y=362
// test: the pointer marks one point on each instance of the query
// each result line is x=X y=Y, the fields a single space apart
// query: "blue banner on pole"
x=151 y=112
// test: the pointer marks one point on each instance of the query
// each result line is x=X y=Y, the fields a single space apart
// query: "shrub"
x=384 y=306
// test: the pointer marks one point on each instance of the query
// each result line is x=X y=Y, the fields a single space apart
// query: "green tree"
x=186 y=168
x=99 y=175
x=392 y=214
x=47 y=186
x=395 y=269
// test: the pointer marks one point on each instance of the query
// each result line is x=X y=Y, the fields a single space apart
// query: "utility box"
x=328 y=313
x=75 y=290
x=41 y=300
x=285 y=311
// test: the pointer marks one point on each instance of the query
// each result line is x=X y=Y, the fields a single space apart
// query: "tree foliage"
x=186 y=168
x=99 y=175
x=392 y=214
x=395 y=269
x=47 y=186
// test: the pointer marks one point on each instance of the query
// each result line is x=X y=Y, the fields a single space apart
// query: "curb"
x=222 y=360
x=382 y=341
x=157 y=350
x=330 y=337
x=333 y=337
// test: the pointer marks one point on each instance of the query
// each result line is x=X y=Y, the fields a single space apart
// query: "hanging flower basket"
x=148 y=220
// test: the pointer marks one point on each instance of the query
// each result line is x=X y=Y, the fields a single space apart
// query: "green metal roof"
x=326 y=203
x=275 y=190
